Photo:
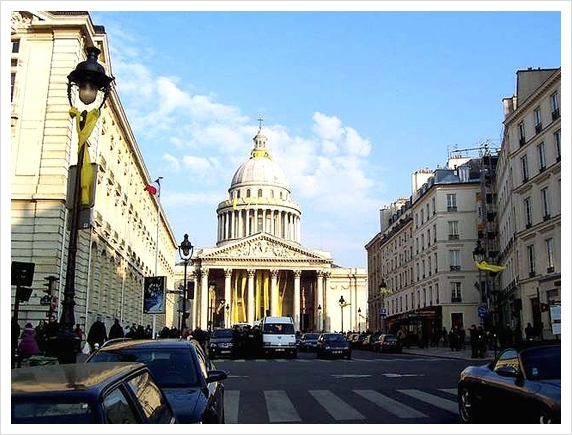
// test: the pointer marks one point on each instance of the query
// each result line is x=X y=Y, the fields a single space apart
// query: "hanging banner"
x=154 y=295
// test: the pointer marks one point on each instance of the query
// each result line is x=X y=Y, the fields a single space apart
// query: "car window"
x=541 y=363
x=202 y=360
x=117 y=410
x=222 y=333
x=153 y=402
x=278 y=328
x=508 y=357
x=50 y=411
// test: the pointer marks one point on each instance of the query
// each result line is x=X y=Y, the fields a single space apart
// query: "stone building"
x=125 y=237
x=259 y=266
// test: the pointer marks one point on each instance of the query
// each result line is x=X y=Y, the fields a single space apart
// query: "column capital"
x=227 y=273
x=251 y=272
x=274 y=273
x=297 y=273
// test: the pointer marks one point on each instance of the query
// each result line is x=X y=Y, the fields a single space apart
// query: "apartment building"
x=125 y=237
x=529 y=199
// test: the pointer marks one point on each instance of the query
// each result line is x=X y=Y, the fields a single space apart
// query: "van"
x=279 y=336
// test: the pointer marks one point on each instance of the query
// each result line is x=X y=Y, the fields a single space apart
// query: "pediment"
x=263 y=247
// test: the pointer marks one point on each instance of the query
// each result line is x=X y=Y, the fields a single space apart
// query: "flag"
x=483 y=265
x=151 y=189
x=154 y=190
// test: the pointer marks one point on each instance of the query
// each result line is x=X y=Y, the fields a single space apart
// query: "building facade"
x=125 y=236
x=259 y=266
x=529 y=186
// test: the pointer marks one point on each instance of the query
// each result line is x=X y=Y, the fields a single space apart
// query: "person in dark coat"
x=529 y=331
x=97 y=334
x=28 y=345
x=474 y=338
x=116 y=330
x=15 y=337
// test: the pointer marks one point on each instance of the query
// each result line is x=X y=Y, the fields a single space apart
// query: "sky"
x=353 y=102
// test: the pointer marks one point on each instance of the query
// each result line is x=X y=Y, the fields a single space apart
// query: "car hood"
x=336 y=345
x=188 y=403
x=550 y=383
x=221 y=340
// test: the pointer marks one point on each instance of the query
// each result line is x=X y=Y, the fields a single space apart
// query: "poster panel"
x=154 y=295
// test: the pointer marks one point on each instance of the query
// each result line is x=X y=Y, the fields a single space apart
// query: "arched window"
x=260 y=193
x=248 y=193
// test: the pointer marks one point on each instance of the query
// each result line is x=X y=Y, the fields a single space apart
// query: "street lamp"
x=227 y=309
x=88 y=78
x=319 y=325
x=342 y=304
x=359 y=320
x=383 y=292
x=185 y=252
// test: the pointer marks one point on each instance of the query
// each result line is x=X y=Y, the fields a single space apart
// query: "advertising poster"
x=154 y=295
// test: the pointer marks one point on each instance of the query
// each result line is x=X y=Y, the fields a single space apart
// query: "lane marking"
x=439 y=402
x=390 y=405
x=280 y=408
x=335 y=406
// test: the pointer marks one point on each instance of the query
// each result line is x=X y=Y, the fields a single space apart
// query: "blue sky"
x=353 y=103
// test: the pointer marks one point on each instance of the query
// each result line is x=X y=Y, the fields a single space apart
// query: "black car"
x=190 y=381
x=308 y=342
x=113 y=393
x=522 y=385
x=221 y=343
x=387 y=343
x=333 y=345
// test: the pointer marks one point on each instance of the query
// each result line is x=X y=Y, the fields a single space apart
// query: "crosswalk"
x=283 y=406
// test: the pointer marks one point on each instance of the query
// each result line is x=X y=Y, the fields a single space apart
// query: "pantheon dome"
x=259 y=200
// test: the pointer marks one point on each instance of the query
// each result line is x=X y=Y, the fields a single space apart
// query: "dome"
x=260 y=169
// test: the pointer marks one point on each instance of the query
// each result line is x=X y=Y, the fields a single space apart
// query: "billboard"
x=154 y=295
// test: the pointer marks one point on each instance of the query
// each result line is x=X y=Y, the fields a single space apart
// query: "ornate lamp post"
x=185 y=252
x=227 y=310
x=319 y=325
x=342 y=302
x=86 y=80
x=478 y=256
x=359 y=319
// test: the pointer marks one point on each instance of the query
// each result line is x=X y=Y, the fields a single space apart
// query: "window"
x=537 y=120
x=260 y=193
x=530 y=257
x=433 y=205
x=13 y=81
x=555 y=105
x=549 y=255
x=455 y=260
x=557 y=144
x=423 y=267
x=521 y=135
x=153 y=403
x=422 y=242
x=545 y=198
x=528 y=212
x=451 y=202
x=436 y=268
x=430 y=267
x=422 y=217
x=117 y=409
x=15 y=45
x=437 y=294
x=524 y=167
x=453 y=230
x=435 y=233
x=541 y=157
x=456 y=292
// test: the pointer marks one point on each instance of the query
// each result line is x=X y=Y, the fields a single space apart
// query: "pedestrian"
x=474 y=338
x=97 y=334
x=15 y=338
x=200 y=336
x=52 y=328
x=452 y=339
x=116 y=330
x=78 y=331
x=28 y=345
x=148 y=331
x=42 y=335
x=462 y=337
x=444 y=337
x=529 y=332
x=481 y=342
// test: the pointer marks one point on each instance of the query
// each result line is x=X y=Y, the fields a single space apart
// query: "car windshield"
x=43 y=411
x=334 y=338
x=171 y=368
x=278 y=328
x=311 y=336
x=541 y=363
x=390 y=338
x=222 y=333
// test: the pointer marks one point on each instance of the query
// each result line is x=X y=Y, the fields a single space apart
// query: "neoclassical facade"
x=259 y=266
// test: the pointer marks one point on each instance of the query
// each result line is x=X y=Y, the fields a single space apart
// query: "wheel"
x=466 y=406
x=544 y=417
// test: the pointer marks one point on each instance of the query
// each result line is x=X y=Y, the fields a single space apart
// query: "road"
x=371 y=388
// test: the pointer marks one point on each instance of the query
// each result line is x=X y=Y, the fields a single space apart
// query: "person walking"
x=28 y=345
x=474 y=338
x=529 y=332
x=116 y=330
x=42 y=335
x=481 y=342
x=97 y=334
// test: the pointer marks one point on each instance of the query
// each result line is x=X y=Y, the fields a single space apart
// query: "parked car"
x=189 y=379
x=332 y=344
x=368 y=341
x=522 y=385
x=308 y=342
x=81 y=393
x=221 y=344
x=387 y=343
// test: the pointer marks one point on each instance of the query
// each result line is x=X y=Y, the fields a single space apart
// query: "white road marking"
x=280 y=407
x=390 y=405
x=335 y=406
x=439 y=402
x=231 y=401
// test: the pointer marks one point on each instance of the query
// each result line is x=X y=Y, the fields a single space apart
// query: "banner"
x=154 y=295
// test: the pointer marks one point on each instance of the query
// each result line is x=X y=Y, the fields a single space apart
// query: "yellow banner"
x=86 y=175
x=483 y=265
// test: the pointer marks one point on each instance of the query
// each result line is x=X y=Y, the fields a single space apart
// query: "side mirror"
x=215 y=376
x=507 y=372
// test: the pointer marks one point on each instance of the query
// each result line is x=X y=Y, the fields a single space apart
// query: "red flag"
x=151 y=189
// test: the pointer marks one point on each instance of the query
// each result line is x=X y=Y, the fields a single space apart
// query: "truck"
x=278 y=336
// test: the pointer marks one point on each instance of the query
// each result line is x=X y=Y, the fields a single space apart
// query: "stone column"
x=250 y=297
x=274 y=296
x=296 y=313
x=204 y=310
x=227 y=298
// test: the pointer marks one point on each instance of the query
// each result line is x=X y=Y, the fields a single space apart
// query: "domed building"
x=259 y=267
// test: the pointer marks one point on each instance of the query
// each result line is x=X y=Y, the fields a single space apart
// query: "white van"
x=279 y=336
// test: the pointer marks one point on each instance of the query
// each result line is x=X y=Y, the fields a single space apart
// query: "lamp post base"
x=64 y=346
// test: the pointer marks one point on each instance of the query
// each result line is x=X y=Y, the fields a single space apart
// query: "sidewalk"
x=445 y=352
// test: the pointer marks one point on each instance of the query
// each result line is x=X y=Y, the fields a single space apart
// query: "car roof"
x=70 y=377
x=162 y=343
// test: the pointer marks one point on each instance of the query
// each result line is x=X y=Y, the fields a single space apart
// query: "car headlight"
x=213 y=345
x=327 y=347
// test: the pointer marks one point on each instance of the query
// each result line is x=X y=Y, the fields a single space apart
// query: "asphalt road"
x=371 y=388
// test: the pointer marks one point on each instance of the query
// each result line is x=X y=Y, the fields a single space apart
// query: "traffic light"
x=51 y=284
x=543 y=308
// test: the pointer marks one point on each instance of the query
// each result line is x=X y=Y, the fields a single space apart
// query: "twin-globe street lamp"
x=186 y=253
x=342 y=302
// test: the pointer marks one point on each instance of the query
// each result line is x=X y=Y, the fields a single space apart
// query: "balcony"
x=550 y=269
x=453 y=237
x=538 y=128
x=521 y=141
x=452 y=208
x=546 y=217
x=456 y=300
x=555 y=114
x=455 y=268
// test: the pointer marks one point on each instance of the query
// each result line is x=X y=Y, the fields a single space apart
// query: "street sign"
x=383 y=311
x=483 y=311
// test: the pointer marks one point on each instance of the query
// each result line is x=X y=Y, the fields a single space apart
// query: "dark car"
x=368 y=341
x=522 y=385
x=80 y=393
x=333 y=345
x=221 y=343
x=308 y=342
x=190 y=381
x=387 y=343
